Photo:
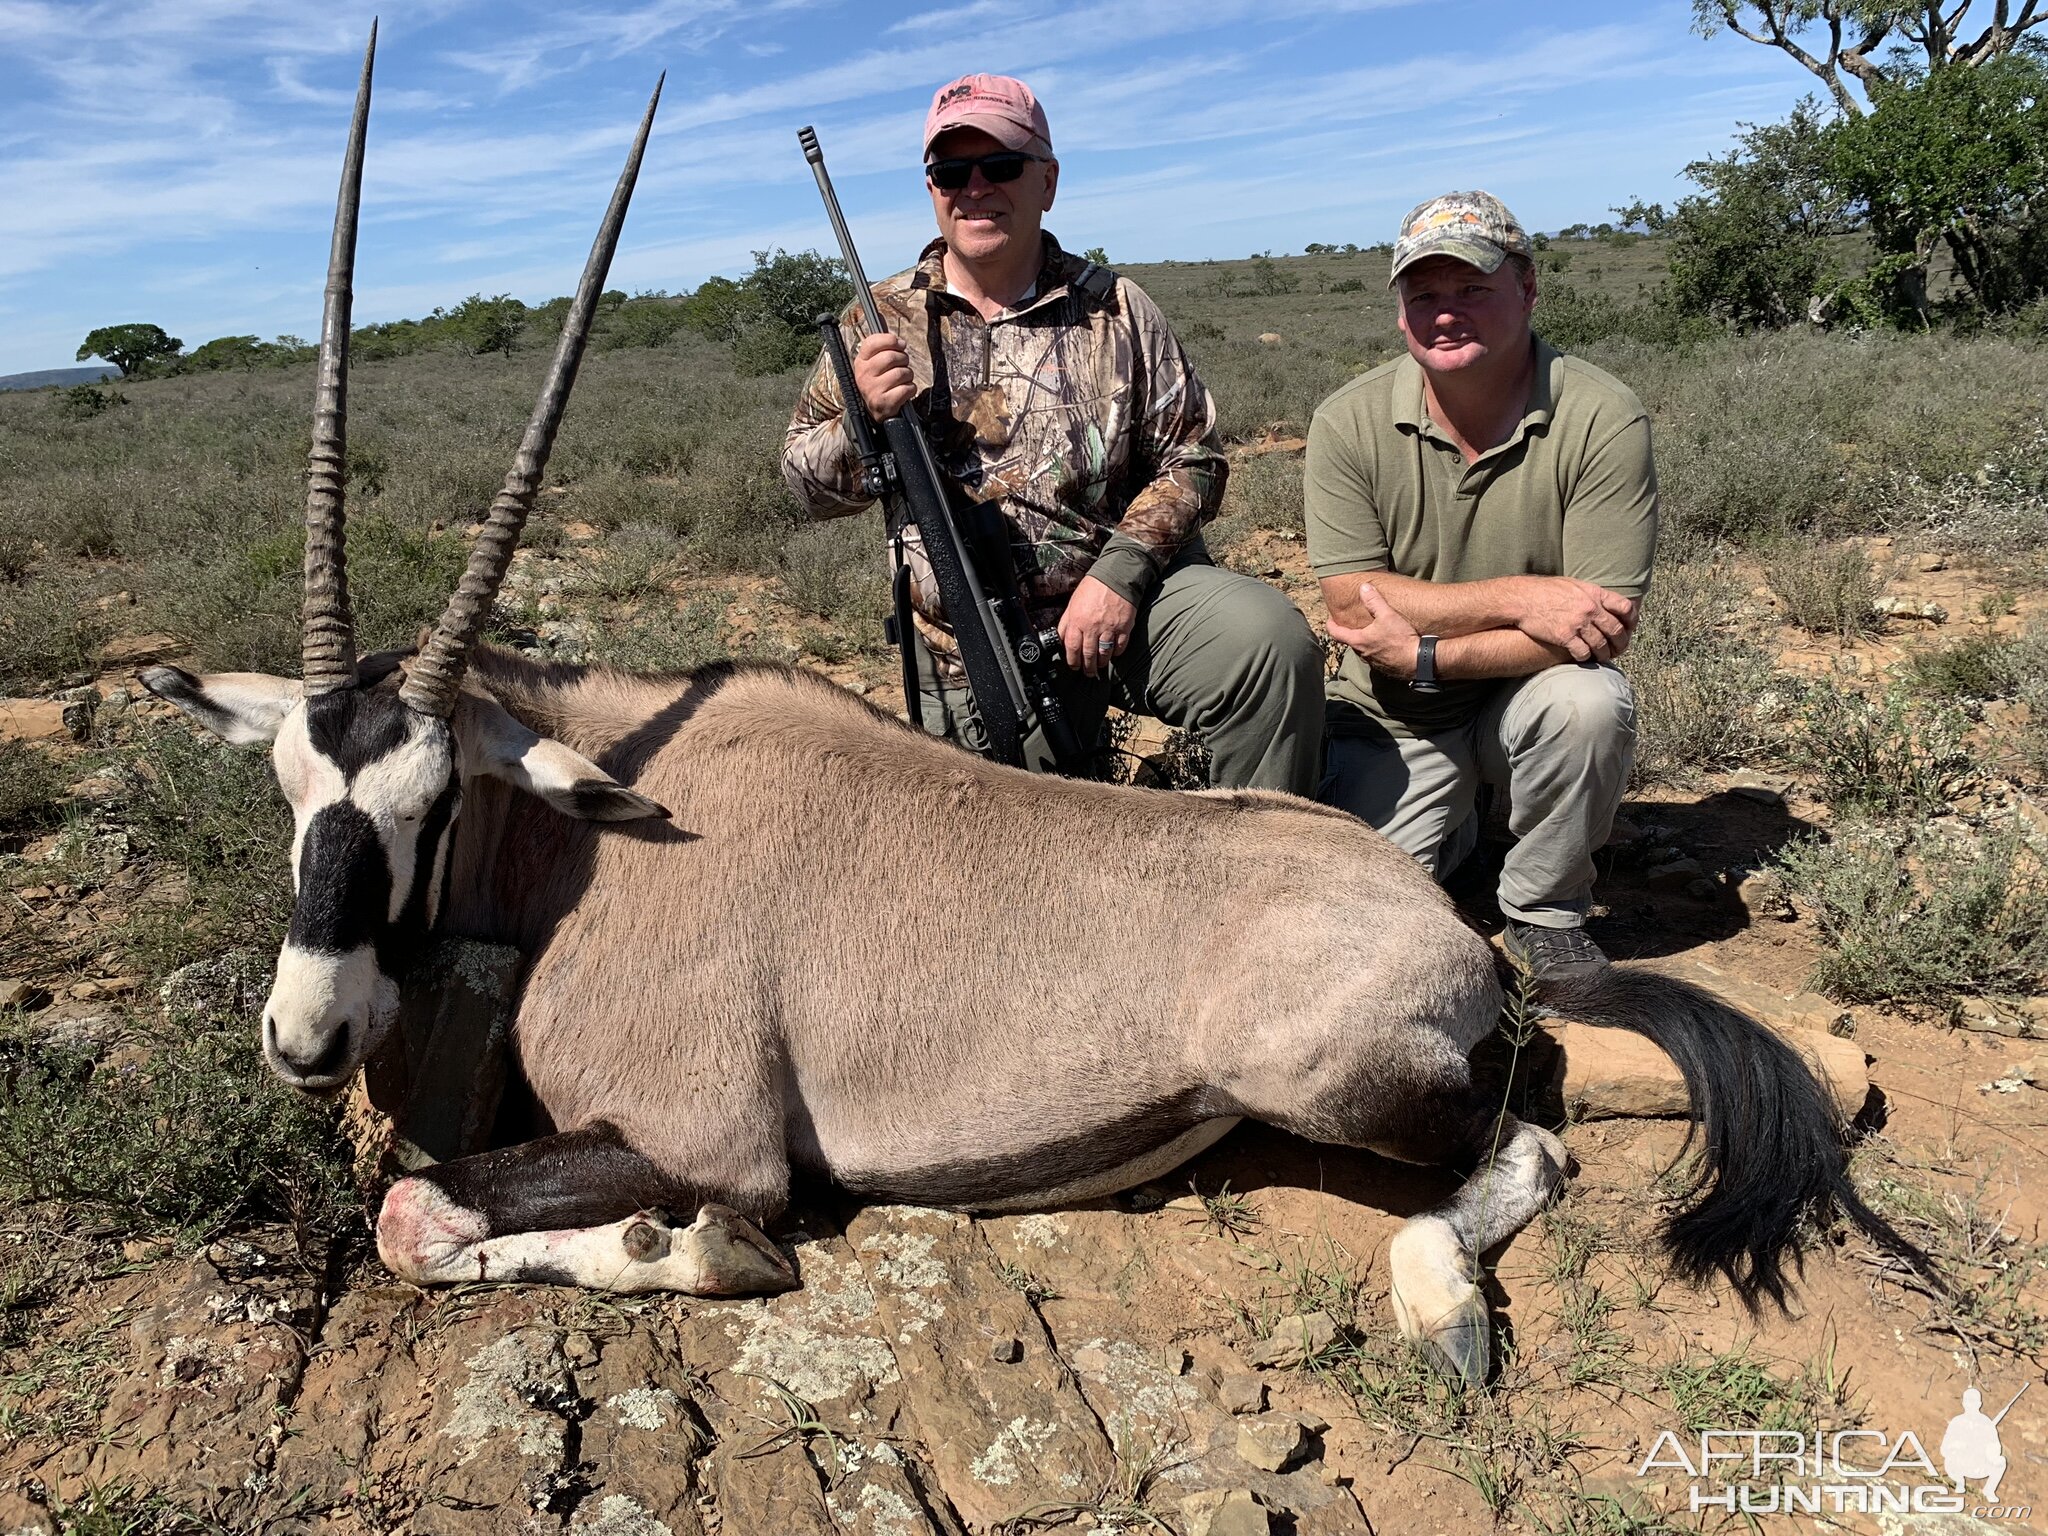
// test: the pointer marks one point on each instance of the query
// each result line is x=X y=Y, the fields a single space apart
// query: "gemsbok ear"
x=496 y=744
x=244 y=708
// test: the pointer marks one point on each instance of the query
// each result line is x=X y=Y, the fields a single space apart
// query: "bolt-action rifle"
x=1009 y=665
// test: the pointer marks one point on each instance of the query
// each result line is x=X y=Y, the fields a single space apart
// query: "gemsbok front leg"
x=581 y=1208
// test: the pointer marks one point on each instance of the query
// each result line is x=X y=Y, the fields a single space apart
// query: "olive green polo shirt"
x=1572 y=492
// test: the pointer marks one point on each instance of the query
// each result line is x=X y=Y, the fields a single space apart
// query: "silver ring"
x=1105 y=645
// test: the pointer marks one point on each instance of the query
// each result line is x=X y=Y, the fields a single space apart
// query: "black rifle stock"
x=997 y=649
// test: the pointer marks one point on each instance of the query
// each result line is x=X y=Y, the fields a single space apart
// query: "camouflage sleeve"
x=818 y=461
x=1177 y=450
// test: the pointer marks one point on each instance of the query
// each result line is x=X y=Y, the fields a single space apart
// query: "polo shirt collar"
x=1411 y=411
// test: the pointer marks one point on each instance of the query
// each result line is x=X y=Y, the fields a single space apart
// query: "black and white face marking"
x=374 y=791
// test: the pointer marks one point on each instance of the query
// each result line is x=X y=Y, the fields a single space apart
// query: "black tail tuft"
x=1773 y=1139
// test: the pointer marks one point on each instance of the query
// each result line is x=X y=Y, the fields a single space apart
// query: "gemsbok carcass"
x=772 y=930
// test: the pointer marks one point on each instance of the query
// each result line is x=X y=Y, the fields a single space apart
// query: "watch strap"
x=1425 y=679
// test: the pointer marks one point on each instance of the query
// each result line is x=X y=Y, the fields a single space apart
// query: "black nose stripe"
x=344 y=882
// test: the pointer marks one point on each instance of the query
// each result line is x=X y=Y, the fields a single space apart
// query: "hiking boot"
x=1552 y=954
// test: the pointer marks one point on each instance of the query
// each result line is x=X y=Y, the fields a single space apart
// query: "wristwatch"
x=1424 y=680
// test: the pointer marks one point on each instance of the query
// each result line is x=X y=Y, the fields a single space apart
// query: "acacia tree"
x=1958 y=158
x=1834 y=38
x=132 y=348
x=1751 y=245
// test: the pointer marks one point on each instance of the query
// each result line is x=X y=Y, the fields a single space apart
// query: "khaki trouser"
x=1216 y=653
x=1561 y=741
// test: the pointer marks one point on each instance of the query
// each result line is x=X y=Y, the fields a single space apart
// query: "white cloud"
x=184 y=152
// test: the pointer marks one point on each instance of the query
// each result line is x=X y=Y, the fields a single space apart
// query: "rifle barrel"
x=2015 y=1398
x=813 y=152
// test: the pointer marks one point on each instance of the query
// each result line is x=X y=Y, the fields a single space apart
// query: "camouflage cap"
x=1474 y=227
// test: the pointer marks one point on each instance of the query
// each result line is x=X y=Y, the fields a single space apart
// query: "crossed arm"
x=1507 y=626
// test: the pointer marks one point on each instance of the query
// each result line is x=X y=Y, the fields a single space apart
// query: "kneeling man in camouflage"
x=1482 y=517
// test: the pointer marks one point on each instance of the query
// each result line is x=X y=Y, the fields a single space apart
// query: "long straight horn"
x=435 y=676
x=328 y=639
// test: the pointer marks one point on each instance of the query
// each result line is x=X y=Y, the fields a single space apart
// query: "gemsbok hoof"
x=1437 y=1302
x=721 y=1253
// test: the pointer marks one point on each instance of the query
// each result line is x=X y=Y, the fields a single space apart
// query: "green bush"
x=482 y=325
x=212 y=815
x=1979 y=668
x=49 y=631
x=1705 y=690
x=82 y=402
x=1751 y=246
x=663 y=638
x=836 y=571
x=240 y=607
x=1825 y=590
x=1915 y=912
x=31 y=790
x=645 y=323
x=198 y=1137
x=1885 y=758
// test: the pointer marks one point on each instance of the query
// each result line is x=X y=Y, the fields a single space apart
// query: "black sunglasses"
x=951 y=174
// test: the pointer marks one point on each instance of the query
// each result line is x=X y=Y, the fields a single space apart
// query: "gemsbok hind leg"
x=581 y=1208
x=1433 y=1261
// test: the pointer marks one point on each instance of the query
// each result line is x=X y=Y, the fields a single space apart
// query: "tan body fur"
x=867 y=953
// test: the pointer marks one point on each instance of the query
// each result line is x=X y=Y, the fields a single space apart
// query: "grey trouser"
x=1561 y=741
x=1219 y=654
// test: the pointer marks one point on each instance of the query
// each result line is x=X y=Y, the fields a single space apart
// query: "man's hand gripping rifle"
x=1009 y=665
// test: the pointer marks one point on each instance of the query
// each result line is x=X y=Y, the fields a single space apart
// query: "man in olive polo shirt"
x=1482 y=515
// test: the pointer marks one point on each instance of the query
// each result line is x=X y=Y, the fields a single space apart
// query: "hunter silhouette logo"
x=1970 y=1449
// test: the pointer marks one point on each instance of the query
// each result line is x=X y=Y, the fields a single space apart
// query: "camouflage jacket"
x=1076 y=413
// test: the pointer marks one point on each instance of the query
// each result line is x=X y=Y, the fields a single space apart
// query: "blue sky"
x=175 y=160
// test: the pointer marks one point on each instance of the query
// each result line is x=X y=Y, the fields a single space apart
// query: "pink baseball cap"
x=999 y=106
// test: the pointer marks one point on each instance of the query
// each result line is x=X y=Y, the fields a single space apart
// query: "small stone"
x=1928 y=564
x=1702 y=889
x=1006 y=1351
x=1241 y=1392
x=1907 y=608
x=1296 y=1341
x=1675 y=875
x=579 y=1348
x=1270 y=1441
x=1224 y=1512
x=1623 y=832
x=23 y=995
x=1177 y=1360
x=857 y=688
x=78 y=717
x=146 y=1250
x=84 y=991
x=1269 y=338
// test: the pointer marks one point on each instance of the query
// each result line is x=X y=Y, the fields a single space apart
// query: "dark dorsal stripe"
x=344 y=881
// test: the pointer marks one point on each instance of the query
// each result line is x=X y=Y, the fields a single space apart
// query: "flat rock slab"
x=213 y=1358
x=32 y=720
x=1002 y=1437
x=1605 y=1073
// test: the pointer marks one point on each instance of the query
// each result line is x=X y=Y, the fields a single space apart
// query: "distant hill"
x=43 y=378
